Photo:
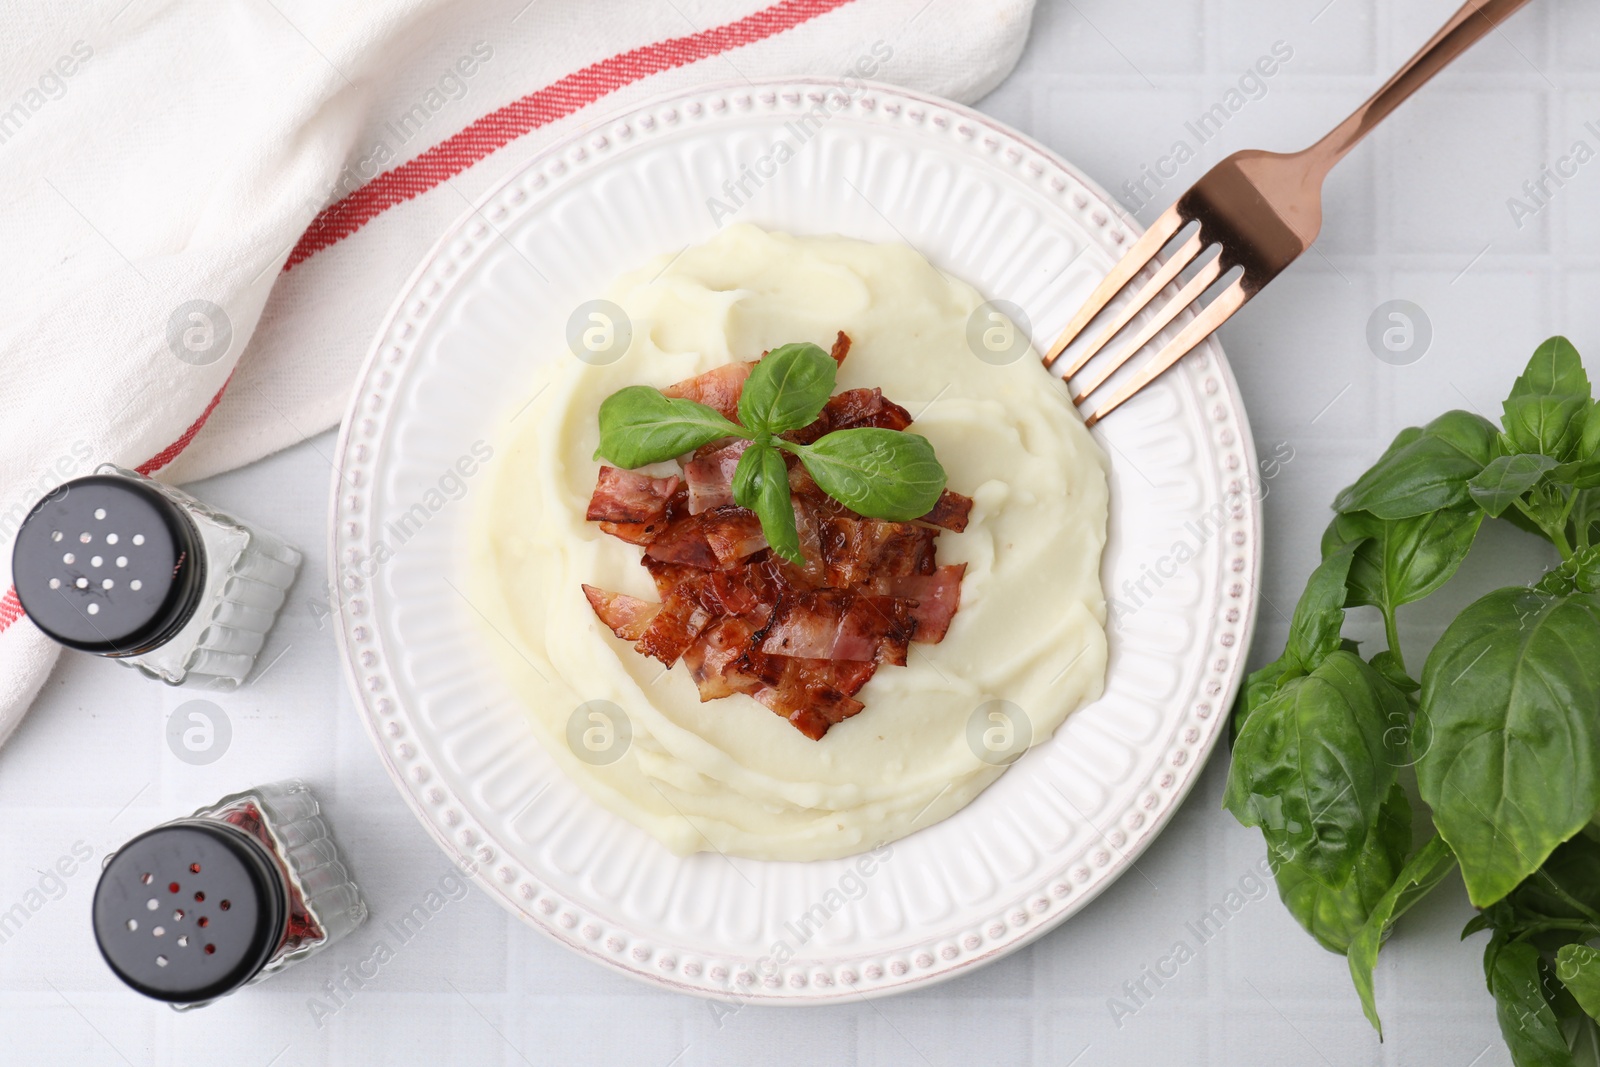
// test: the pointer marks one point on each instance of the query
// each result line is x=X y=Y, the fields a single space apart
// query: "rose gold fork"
x=1263 y=209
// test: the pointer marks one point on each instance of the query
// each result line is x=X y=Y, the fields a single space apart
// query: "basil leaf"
x=1402 y=440
x=1419 y=878
x=1334 y=916
x=1508 y=699
x=1566 y=887
x=1589 y=444
x=1401 y=561
x=1527 y=1021
x=787 y=389
x=1549 y=404
x=1424 y=470
x=761 y=483
x=882 y=474
x=1555 y=369
x=1387 y=664
x=1503 y=481
x=1313 y=633
x=1319 y=614
x=1578 y=967
x=1311 y=766
x=640 y=426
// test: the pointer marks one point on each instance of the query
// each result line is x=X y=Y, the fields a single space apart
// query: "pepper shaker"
x=198 y=908
x=127 y=567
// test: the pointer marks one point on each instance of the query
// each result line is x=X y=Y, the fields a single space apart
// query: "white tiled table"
x=1419 y=214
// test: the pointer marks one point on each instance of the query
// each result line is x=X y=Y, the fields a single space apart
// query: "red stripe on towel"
x=561 y=98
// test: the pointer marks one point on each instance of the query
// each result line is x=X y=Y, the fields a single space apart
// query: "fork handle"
x=1468 y=26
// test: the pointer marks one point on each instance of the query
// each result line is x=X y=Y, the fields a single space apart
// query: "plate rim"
x=784 y=994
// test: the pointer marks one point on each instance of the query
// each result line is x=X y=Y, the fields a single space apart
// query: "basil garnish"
x=881 y=474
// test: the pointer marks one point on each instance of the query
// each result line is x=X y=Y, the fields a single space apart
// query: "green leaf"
x=1578 y=967
x=787 y=389
x=1311 y=767
x=1313 y=633
x=1566 y=887
x=1402 y=440
x=1583 y=1035
x=640 y=426
x=1424 y=470
x=1589 y=444
x=1419 y=878
x=882 y=474
x=1549 y=404
x=1388 y=665
x=1555 y=369
x=1502 y=482
x=1527 y=1021
x=761 y=483
x=1401 y=561
x=1333 y=916
x=1315 y=630
x=1509 y=698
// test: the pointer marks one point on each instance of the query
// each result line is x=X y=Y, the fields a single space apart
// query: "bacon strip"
x=855 y=550
x=710 y=540
x=854 y=409
x=718 y=388
x=710 y=476
x=837 y=624
x=841 y=347
x=950 y=512
x=681 y=619
x=629 y=497
x=936 y=598
x=627 y=616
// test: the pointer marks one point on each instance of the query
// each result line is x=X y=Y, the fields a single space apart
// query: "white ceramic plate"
x=454 y=360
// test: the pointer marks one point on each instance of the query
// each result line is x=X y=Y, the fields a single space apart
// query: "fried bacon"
x=627 y=616
x=854 y=409
x=841 y=347
x=710 y=476
x=801 y=639
x=711 y=540
x=934 y=598
x=951 y=512
x=629 y=497
x=718 y=388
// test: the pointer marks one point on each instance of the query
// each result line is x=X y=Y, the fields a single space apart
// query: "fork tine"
x=1163 y=278
x=1203 y=280
x=1205 y=324
x=1135 y=260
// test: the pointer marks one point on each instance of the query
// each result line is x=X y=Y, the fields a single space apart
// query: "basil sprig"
x=1501 y=724
x=881 y=474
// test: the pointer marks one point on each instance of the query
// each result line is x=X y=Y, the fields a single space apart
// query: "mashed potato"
x=730 y=774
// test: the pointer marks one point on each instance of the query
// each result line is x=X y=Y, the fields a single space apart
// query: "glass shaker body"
x=127 y=567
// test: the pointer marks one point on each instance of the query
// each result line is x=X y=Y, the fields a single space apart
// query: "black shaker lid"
x=108 y=564
x=189 y=911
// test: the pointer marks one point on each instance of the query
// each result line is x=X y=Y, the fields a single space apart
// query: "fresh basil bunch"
x=881 y=474
x=1502 y=730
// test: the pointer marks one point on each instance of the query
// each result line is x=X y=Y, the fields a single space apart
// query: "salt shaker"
x=127 y=567
x=197 y=908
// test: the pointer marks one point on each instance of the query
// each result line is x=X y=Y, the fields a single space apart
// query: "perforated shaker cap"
x=189 y=911
x=108 y=564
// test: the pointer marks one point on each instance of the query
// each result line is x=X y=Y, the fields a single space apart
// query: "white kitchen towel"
x=206 y=206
